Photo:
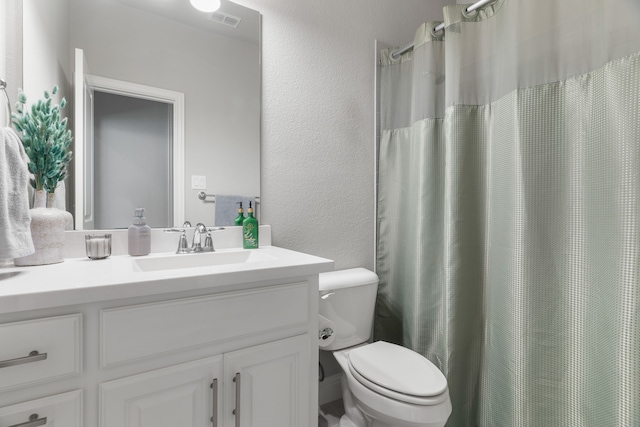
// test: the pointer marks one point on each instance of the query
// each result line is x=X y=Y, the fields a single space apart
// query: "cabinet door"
x=185 y=395
x=59 y=410
x=268 y=385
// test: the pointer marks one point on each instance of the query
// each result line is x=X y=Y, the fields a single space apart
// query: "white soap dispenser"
x=139 y=235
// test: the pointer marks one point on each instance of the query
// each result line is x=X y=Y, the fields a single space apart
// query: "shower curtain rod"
x=409 y=46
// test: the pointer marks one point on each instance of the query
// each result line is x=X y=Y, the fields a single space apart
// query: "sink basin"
x=4 y=276
x=208 y=259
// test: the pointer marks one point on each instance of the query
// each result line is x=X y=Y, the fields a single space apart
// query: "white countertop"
x=81 y=280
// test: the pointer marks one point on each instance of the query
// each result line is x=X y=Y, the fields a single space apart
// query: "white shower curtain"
x=508 y=210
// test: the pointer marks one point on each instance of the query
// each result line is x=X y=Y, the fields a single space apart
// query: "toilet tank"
x=347 y=299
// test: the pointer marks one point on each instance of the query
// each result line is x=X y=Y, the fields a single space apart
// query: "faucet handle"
x=196 y=246
x=173 y=230
x=183 y=246
x=208 y=243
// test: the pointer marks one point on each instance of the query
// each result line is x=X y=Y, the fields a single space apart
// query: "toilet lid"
x=398 y=369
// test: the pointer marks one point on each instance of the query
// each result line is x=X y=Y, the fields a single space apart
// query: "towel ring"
x=3 y=86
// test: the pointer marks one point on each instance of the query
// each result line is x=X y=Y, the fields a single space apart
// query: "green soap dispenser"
x=240 y=218
x=250 y=230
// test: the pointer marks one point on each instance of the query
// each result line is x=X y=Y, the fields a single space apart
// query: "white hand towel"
x=15 y=230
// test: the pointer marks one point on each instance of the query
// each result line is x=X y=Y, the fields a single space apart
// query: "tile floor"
x=335 y=408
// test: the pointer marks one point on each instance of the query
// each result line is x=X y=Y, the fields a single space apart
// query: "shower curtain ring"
x=469 y=15
x=437 y=34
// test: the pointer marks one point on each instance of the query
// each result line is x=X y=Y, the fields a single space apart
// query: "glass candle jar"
x=98 y=245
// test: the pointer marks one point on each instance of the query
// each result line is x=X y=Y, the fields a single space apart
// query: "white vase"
x=47 y=232
x=61 y=194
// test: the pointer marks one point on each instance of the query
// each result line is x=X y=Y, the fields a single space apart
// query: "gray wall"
x=142 y=129
x=318 y=118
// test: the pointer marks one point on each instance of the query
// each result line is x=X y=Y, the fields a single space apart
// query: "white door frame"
x=176 y=99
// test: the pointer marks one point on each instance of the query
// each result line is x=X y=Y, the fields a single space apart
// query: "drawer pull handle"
x=34 y=356
x=236 y=411
x=214 y=387
x=34 y=421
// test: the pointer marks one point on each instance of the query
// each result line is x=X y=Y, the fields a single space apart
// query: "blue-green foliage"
x=46 y=140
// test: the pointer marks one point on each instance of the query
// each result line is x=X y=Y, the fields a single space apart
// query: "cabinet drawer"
x=59 y=410
x=57 y=341
x=147 y=330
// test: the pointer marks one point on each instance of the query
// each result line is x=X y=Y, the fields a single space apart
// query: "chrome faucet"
x=196 y=245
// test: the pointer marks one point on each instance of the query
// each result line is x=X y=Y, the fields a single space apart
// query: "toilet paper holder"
x=325 y=333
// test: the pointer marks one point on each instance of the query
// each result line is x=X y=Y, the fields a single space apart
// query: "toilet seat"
x=398 y=373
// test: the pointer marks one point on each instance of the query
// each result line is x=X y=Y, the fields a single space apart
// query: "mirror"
x=170 y=46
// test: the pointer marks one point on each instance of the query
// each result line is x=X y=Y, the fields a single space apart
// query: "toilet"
x=383 y=384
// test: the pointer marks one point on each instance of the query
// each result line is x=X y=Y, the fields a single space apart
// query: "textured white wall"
x=11 y=51
x=318 y=118
x=3 y=63
x=45 y=55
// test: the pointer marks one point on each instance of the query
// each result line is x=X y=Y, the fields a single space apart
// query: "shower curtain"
x=508 y=210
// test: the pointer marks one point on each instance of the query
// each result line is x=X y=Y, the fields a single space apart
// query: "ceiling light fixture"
x=206 y=5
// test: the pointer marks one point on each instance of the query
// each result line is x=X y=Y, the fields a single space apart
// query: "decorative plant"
x=46 y=140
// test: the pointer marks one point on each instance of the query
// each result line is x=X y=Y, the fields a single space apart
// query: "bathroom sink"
x=208 y=259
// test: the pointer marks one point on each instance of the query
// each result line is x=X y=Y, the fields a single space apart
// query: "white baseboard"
x=330 y=389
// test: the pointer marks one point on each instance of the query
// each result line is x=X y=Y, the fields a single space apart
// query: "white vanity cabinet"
x=264 y=385
x=239 y=358
x=221 y=346
x=257 y=385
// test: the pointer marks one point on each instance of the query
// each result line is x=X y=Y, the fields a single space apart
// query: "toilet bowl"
x=383 y=384
x=385 y=393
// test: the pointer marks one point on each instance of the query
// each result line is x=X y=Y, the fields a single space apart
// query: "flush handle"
x=325 y=333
